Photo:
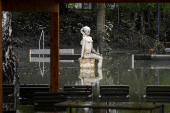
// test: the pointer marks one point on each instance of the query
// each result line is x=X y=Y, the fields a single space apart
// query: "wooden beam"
x=113 y=1
x=54 y=50
x=30 y=5
x=51 y=5
x=1 y=59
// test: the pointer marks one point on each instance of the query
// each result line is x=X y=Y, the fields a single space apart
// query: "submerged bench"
x=66 y=55
x=158 y=93
x=27 y=92
x=9 y=111
x=151 y=57
x=8 y=93
x=114 y=93
x=44 y=101
x=78 y=92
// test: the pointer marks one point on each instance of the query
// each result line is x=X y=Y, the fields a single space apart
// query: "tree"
x=101 y=26
x=63 y=8
x=9 y=59
x=82 y=9
x=142 y=23
x=135 y=15
x=94 y=9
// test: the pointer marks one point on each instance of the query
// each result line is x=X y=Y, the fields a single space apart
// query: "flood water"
x=118 y=69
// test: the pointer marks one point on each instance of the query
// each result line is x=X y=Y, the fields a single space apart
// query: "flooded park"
x=118 y=70
x=85 y=57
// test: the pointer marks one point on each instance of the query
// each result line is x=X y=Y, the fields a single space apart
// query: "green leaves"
x=71 y=5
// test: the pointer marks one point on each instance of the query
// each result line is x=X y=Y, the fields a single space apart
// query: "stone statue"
x=87 y=50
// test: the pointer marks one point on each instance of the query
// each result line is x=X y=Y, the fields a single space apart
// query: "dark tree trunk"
x=135 y=15
x=82 y=9
x=63 y=8
x=94 y=12
x=118 y=13
x=142 y=27
x=9 y=59
x=156 y=23
x=101 y=27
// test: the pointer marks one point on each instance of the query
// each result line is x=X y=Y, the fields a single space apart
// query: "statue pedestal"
x=87 y=63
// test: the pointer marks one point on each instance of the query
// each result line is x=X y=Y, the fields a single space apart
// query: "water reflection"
x=117 y=70
x=88 y=77
x=151 y=64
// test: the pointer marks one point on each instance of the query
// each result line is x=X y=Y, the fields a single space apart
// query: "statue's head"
x=85 y=30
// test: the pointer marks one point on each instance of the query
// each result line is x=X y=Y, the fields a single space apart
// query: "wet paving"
x=118 y=69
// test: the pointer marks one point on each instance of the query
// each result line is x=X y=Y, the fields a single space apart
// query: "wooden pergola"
x=51 y=6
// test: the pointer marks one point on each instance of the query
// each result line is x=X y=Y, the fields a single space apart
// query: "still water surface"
x=117 y=70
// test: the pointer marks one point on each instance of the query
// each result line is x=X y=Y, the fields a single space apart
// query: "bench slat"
x=47 y=51
x=114 y=90
x=78 y=93
x=76 y=89
x=34 y=85
x=50 y=100
x=77 y=86
x=114 y=86
x=49 y=97
x=47 y=93
x=157 y=90
x=114 y=93
x=158 y=93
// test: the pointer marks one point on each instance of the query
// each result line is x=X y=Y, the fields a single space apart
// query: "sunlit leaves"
x=71 y=5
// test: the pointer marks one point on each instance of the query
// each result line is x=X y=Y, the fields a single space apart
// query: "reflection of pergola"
x=51 y=6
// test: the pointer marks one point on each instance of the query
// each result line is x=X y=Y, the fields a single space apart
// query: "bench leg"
x=150 y=111
x=70 y=110
x=162 y=109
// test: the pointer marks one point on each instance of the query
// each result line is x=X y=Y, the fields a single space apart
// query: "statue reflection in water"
x=87 y=76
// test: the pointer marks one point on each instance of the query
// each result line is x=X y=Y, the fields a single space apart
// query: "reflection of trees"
x=9 y=57
x=87 y=76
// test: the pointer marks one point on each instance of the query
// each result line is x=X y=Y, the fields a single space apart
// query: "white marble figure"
x=87 y=47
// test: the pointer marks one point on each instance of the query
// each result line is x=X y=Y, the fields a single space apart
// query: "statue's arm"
x=93 y=50
x=82 y=49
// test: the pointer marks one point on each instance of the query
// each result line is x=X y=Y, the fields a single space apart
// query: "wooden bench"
x=8 y=93
x=158 y=93
x=27 y=92
x=114 y=93
x=78 y=92
x=44 y=101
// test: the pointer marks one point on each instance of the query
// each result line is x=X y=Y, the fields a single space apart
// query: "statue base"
x=87 y=63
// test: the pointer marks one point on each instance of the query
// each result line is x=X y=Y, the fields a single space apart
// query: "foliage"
x=30 y=21
x=71 y=5
x=71 y=23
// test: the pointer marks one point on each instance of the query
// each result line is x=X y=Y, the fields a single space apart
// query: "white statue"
x=87 y=47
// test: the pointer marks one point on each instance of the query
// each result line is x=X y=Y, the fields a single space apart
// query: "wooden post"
x=1 y=58
x=54 y=48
